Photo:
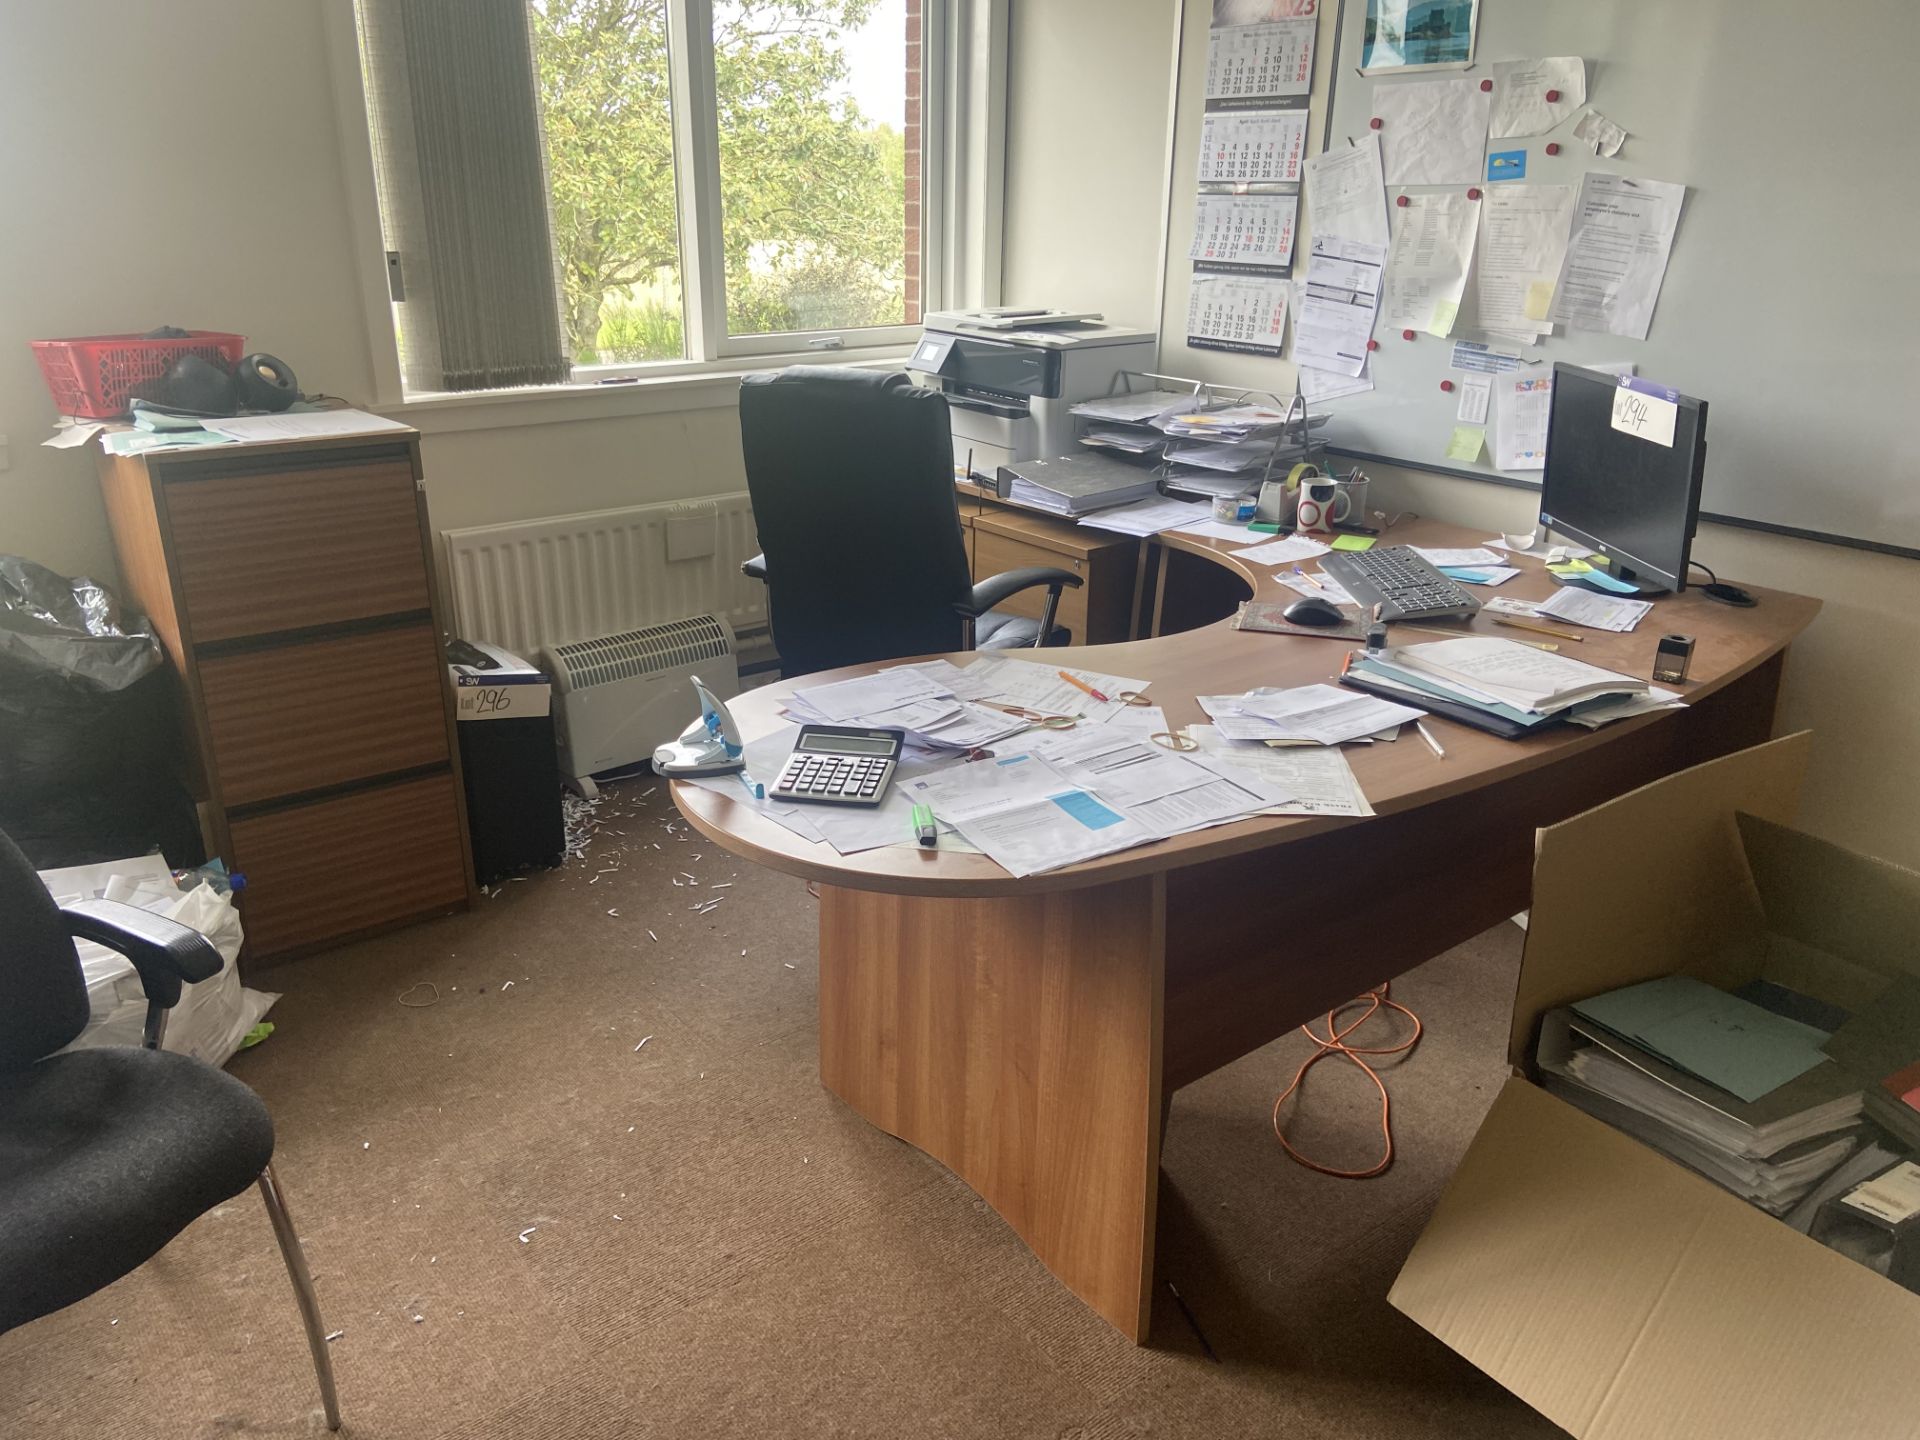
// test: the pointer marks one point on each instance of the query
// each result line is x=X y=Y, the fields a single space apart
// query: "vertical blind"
x=452 y=98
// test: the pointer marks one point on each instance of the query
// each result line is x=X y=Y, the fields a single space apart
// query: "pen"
x=1537 y=628
x=752 y=787
x=1080 y=684
x=1427 y=735
x=1313 y=580
x=924 y=830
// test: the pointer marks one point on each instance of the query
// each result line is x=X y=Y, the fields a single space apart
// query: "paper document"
x=1432 y=132
x=1476 y=395
x=842 y=700
x=303 y=425
x=1601 y=612
x=1147 y=517
x=1133 y=408
x=1319 y=779
x=1024 y=814
x=1617 y=254
x=1343 y=295
x=1522 y=401
x=1216 y=530
x=1346 y=192
x=1599 y=134
x=1523 y=240
x=1506 y=672
x=1249 y=61
x=1244 y=229
x=1122 y=767
x=1718 y=1037
x=1278 y=552
x=1520 y=90
x=1037 y=685
x=1475 y=357
x=1320 y=586
x=1479 y=574
x=1321 y=714
x=1436 y=556
x=1319 y=386
x=1252 y=146
x=1427 y=263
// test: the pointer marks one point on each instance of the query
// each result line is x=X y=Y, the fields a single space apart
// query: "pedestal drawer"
x=372 y=857
x=325 y=712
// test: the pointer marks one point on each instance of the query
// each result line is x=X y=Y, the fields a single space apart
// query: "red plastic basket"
x=93 y=376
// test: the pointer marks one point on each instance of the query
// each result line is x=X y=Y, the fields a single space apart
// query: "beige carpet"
x=713 y=1245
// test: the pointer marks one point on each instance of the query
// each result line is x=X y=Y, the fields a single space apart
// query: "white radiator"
x=536 y=583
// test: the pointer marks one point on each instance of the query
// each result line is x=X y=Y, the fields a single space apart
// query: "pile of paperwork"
x=1308 y=715
x=1514 y=683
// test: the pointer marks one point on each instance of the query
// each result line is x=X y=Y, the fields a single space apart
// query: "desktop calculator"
x=840 y=765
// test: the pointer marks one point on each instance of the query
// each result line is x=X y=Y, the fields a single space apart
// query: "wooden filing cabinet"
x=1101 y=611
x=292 y=586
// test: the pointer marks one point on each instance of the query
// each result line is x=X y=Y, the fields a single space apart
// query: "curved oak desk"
x=1028 y=1033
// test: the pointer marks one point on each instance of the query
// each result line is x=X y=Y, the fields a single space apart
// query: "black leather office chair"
x=851 y=473
x=107 y=1154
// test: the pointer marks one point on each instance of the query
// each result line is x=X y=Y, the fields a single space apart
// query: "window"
x=718 y=178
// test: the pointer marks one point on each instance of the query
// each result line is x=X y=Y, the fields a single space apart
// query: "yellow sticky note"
x=1571 y=567
x=1539 y=299
x=1353 y=542
x=1445 y=312
x=1593 y=560
x=1466 y=442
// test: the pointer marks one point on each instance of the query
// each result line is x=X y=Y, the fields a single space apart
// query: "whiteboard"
x=1792 y=299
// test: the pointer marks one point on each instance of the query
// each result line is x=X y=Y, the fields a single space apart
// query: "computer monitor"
x=1628 y=495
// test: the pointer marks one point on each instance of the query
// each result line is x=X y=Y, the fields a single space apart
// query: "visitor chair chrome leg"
x=296 y=1259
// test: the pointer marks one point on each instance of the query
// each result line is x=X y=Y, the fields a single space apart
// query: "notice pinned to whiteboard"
x=1645 y=411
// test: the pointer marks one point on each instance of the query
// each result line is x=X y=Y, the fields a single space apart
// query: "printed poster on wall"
x=1418 y=35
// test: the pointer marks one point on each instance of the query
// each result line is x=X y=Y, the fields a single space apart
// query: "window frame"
x=963 y=142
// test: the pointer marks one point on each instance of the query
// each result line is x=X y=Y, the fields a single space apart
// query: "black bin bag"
x=90 y=745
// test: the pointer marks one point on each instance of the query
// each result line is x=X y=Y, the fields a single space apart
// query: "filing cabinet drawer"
x=261 y=551
x=995 y=554
x=320 y=871
x=303 y=717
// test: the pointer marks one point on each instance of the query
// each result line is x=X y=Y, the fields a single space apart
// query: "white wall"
x=180 y=163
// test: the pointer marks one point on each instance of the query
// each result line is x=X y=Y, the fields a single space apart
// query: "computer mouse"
x=1311 y=610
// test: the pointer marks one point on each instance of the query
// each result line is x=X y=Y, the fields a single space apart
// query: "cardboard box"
x=1619 y=1294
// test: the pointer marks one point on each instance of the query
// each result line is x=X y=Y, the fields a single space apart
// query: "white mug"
x=1315 y=513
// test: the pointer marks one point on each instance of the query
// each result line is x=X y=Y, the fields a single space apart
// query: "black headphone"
x=265 y=382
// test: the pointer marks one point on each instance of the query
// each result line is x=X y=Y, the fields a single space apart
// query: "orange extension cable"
x=1335 y=1044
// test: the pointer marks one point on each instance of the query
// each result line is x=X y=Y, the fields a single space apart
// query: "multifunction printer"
x=1010 y=376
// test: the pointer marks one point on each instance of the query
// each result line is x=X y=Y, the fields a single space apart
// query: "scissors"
x=1035 y=717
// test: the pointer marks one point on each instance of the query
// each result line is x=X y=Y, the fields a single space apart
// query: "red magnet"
x=1447 y=385
x=1486 y=85
x=1553 y=97
x=1553 y=147
x=1374 y=123
x=1402 y=201
x=1406 y=334
x=1373 y=344
x=1473 y=193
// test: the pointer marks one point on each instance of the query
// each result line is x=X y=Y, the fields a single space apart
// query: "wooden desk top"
x=1219 y=660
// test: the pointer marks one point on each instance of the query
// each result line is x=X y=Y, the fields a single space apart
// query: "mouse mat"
x=1265 y=617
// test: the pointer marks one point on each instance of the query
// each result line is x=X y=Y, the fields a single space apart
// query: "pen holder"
x=1350 y=504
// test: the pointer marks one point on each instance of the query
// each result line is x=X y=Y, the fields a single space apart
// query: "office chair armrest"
x=995 y=588
x=754 y=569
x=164 y=952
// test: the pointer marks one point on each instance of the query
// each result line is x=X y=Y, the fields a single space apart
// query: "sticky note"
x=1466 y=443
x=1353 y=542
x=1539 y=299
x=1444 y=314
x=1507 y=165
x=1570 y=567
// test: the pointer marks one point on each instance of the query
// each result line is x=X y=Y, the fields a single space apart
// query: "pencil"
x=1537 y=628
x=1313 y=580
x=1427 y=735
x=1080 y=684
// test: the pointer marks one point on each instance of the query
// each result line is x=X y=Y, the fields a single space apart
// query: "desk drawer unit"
x=291 y=584
x=1100 y=612
x=994 y=554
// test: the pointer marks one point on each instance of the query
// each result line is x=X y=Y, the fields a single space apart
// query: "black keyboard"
x=1401 y=582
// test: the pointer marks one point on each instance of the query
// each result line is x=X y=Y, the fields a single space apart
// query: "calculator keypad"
x=834 y=779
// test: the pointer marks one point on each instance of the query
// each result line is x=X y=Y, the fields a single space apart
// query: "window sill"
x=710 y=388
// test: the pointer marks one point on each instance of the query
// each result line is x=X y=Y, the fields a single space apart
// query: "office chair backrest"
x=43 y=996
x=851 y=473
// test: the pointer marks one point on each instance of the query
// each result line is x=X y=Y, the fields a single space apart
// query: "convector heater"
x=536 y=583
